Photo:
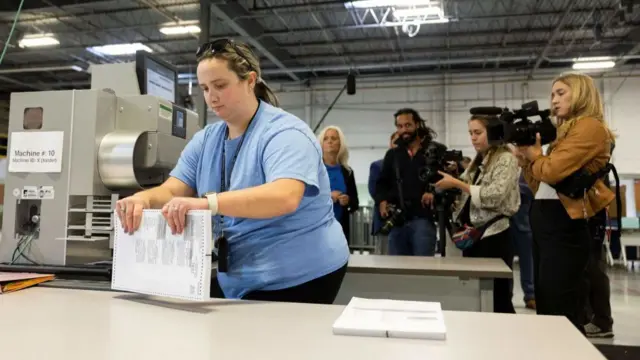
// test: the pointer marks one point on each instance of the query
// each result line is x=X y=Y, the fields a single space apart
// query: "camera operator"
x=559 y=217
x=489 y=196
x=413 y=231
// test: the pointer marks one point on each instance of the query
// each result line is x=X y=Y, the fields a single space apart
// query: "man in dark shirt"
x=417 y=235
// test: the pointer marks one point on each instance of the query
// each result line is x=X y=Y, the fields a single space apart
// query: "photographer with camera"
x=403 y=199
x=568 y=192
x=489 y=196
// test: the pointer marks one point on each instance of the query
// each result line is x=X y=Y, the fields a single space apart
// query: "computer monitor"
x=156 y=77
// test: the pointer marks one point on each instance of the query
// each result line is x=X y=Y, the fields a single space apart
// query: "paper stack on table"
x=391 y=318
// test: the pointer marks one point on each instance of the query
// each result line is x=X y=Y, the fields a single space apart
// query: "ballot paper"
x=154 y=261
x=391 y=318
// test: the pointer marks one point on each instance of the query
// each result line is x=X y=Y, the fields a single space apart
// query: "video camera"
x=505 y=129
x=437 y=158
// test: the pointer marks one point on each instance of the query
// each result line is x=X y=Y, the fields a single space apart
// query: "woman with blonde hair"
x=344 y=192
x=559 y=220
x=489 y=196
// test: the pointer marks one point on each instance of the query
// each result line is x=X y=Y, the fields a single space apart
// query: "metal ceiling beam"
x=553 y=37
x=627 y=47
x=12 y=5
x=416 y=63
x=431 y=36
x=251 y=30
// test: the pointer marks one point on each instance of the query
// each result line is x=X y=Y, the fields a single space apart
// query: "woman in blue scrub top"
x=344 y=192
x=261 y=173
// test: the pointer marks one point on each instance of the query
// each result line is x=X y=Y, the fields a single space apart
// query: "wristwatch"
x=212 y=198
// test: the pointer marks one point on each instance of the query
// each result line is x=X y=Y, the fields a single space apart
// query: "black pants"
x=561 y=250
x=598 y=307
x=497 y=246
x=322 y=290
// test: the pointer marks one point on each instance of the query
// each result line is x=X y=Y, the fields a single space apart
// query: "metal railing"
x=360 y=232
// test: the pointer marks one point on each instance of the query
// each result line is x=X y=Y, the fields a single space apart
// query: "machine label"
x=46 y=192
x=30 y=193
x=36 y=193
x=165 y=112
x=36 y=152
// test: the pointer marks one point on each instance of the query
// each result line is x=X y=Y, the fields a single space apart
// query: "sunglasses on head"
x=219 y=46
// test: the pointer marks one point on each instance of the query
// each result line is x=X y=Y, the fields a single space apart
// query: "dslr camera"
x=515 y=127
x=394 y=218
x=437 y=158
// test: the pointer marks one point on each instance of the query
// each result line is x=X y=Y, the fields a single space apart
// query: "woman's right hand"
x=129 y=211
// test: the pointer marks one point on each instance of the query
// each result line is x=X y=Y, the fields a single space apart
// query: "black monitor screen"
x=156 y=77
x=179 y=123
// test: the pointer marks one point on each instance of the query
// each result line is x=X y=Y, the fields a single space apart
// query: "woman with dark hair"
x=260 y=172
x=489 y=196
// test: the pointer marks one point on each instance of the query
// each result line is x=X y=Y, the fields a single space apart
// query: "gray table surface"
x=430 y=266
x=57 y=324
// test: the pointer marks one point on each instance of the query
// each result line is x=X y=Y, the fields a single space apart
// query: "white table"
x=456 y=282
x=63 y=324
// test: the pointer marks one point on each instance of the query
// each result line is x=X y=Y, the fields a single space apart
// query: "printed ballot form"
x=155 y=262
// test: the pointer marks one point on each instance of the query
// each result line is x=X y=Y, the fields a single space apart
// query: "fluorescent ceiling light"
x=119 y=49
x=364 y=4
x=592 y=65
x=180 y=29
x=38 y=40
x=593 y=58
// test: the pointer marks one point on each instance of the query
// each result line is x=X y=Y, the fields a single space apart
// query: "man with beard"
x=414 y=231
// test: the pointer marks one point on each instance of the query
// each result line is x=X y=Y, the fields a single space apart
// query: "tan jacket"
x=587 y=144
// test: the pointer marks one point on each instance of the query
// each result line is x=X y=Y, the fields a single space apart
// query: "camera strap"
x=396 y=166
x=618 y=199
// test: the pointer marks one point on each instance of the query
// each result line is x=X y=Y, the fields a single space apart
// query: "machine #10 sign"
x=36 y=152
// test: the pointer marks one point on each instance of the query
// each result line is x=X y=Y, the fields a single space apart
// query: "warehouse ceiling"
x=299 y=40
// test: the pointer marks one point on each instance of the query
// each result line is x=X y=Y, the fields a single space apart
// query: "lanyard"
x=223 y=173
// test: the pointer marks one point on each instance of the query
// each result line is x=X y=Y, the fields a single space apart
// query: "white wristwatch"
x=212 y=198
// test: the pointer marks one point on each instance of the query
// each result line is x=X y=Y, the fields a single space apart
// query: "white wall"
x=444 y=101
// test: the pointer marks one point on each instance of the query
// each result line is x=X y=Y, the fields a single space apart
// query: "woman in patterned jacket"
x=489 y=196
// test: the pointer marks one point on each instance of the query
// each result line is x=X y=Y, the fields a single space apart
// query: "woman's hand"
x=335 y=194
x=129 y=211
x=518 y=152
x=447 y=182
x=343 y=199
x=175 y=211
x=534 y=151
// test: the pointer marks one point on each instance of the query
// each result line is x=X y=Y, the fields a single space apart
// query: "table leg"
x=486 y=295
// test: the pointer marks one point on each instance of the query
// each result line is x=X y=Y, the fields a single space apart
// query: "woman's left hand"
x=534 y=151
x=447 y=181
x=175 y=211
x=343 y=199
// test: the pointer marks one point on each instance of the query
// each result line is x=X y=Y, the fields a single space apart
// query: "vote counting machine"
x=73 y=153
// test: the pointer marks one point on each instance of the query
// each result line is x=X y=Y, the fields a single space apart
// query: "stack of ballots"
x=391 y=318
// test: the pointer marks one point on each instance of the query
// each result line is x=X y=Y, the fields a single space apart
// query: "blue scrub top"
x=281 y=252
x=337 y=181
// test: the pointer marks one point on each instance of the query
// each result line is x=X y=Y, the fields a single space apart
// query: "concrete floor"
x=625 y=305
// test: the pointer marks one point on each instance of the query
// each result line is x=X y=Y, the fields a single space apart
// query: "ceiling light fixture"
x=593 y=65
x=38 y=40
x=365 y=4
x=119 y=49
x=180 y=29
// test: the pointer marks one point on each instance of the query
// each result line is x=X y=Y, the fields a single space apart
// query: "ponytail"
x=264 y=93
